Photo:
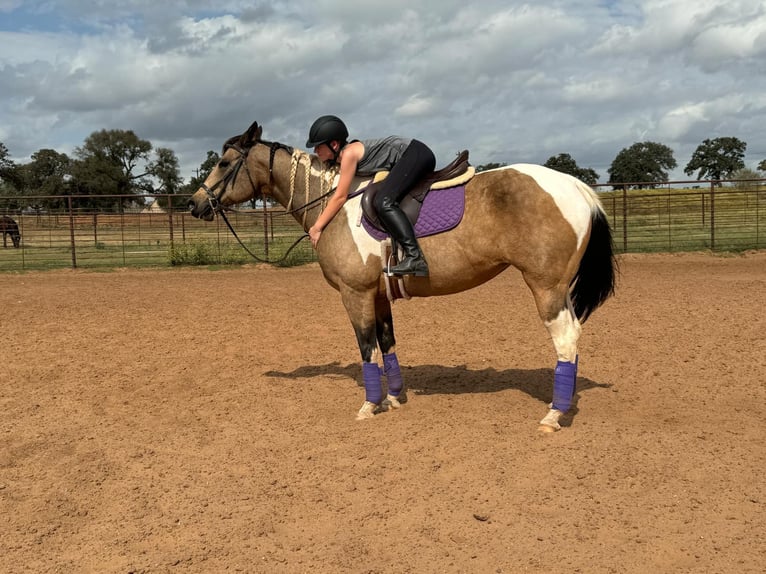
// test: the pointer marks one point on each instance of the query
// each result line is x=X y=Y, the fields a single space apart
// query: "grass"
x=647 y=220
x=687 y=219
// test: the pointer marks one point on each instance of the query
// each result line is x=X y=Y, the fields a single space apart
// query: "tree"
x=566 y=164
x=166 y=171
x=106 y=162
x=642 y=163
x=10 y=178
x=762 y=165
x=47 y=174
x=718 y=158
x=204 y=170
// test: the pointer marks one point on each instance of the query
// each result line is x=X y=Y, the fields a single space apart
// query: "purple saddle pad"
x=442 y=210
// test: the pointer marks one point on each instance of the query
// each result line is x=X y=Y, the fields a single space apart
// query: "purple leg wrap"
x=564 y=385
x=373 y=390
x=393 y=374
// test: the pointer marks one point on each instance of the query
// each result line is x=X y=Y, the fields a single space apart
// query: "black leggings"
x=417 y=161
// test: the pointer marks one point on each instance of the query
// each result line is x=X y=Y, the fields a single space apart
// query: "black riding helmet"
x=327 y=129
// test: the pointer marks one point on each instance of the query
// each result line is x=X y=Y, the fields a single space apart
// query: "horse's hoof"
x=550 y=423
x=396 y=402
x=369 y=410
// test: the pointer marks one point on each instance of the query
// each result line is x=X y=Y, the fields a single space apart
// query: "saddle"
x=458 y=172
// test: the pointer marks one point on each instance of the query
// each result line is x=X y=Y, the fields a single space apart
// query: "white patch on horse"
x=565 y=331
x=367 y=245
x=575 y=199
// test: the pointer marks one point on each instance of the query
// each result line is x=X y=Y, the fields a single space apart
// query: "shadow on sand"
x=444 y=380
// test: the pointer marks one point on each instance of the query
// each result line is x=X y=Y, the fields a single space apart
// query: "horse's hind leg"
x=384 y=326
x=555 y=308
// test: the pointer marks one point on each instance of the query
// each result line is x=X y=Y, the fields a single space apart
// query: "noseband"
x=213 y=198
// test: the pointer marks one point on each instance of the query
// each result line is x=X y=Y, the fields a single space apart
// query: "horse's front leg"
x=360 y=307
x=384 y=323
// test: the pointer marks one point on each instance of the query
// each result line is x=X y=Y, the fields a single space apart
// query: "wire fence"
x=78 y=237
x=703 y=216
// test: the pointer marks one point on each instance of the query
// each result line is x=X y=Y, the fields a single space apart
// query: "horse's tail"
x=595 y=279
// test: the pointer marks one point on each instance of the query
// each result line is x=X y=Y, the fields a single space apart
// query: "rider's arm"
x=348 y=162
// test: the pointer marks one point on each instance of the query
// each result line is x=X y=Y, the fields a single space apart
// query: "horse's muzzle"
x=204 y=212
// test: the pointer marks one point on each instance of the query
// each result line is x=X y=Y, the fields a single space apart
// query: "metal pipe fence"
x=74 y=236
x=703 y=216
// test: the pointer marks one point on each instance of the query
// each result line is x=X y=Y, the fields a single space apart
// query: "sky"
x=510 y=81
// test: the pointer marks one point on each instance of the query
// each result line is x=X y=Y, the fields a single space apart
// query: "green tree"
x=566 y=164
x=165 y=169
x=718 y=158
x=204 y=170
x=105 y=165
x=47 y=174
x=640 y=164
x=762 y=165
x=10 y=177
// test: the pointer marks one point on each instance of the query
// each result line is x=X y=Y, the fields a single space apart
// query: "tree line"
x=650 y=162
x=110 y=163
x=114 y=163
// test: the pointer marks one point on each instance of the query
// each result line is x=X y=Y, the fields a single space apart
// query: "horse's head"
x=226 y=185
x=16 y=238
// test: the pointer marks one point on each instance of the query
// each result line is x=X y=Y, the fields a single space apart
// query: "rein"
x=214 y=199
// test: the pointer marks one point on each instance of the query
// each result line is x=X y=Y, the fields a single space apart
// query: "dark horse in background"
x=9 y=227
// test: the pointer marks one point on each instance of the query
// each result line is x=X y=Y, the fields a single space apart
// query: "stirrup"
x=416 y=266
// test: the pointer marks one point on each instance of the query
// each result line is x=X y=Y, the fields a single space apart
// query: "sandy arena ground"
x=201 y=420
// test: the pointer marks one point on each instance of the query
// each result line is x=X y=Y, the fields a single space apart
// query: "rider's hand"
x=314 y=235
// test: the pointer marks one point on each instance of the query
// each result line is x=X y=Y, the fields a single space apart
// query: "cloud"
x=512 y=81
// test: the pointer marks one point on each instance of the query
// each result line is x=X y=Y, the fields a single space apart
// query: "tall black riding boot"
x=400 y=228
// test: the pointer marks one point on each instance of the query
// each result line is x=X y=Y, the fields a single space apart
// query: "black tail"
x=595 y=279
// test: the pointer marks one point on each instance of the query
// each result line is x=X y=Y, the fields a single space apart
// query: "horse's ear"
x=252 y=135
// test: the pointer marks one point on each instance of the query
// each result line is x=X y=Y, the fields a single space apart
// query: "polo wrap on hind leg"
x=564 y=379
x=373 y=390
x=393 y=374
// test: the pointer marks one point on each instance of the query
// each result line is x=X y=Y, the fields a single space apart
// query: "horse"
x=9 y=227
x=548 y=225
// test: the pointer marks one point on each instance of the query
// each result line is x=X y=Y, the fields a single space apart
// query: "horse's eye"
x=223 y=164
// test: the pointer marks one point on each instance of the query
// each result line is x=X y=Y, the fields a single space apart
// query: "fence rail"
x=704 y=217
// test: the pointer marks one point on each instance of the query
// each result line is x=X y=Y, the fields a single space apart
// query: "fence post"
x=712 y=215
x=71 y=233
x=170 y=218
x=265 y=229
x=625 y=218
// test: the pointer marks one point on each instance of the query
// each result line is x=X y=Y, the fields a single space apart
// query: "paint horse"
x=547 y=224
x=9 y=227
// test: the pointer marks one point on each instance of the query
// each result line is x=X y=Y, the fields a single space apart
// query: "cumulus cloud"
x=512 y=81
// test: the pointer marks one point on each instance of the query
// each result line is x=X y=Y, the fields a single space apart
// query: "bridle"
x=214 y=199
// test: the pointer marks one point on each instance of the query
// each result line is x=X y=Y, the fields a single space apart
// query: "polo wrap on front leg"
x=564 y=385
x=393 y=374
x=373 y=389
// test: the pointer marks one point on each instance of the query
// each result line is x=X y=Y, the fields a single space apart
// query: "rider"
x=407 y=161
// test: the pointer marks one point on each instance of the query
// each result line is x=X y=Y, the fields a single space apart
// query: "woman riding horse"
x=547 y=224
x=406 y=160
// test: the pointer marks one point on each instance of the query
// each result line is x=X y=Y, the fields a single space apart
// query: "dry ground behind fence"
x=203 y=421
